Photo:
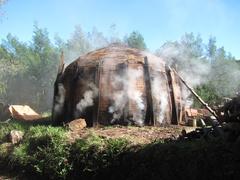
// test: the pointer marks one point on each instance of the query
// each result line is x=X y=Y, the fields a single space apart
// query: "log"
x=197 y=96
x=77 y=125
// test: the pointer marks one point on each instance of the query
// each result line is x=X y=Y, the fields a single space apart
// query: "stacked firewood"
x=226 y=126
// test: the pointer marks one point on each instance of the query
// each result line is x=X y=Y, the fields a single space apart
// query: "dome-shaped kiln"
x=120 y=85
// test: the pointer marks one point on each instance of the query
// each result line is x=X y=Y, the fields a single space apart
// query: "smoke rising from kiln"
x=82 y=42
x=160 y=99
x=221 y=75
x=219 y=71
x=135 y=95
x=87 y=100
x=128 y=92
x=159 y=87
x=194 y=69
x=59 y=98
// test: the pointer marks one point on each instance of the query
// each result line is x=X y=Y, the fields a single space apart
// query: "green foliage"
x=208 y=94
x=44 y=151
x=94 y=153
x=116 y=146
x=210 y=70
x=5 y=129
x=19 y=157
x=193 y=46
x=29 y=68
x=211 y=48
x=136 y=40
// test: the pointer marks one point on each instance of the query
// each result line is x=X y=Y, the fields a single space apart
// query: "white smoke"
x=136 y=95
x=120 y=101
x=192 y=68
x=160 y=99
x=82 y=42
x=128 y=92
x=59 y=99
x=87 y=100
x=159 y=86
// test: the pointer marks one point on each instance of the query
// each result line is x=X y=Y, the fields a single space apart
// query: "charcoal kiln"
x=117 y=85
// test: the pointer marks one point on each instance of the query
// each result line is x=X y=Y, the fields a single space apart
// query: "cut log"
x=77 y=124
x=15 y=136
x=21 y=112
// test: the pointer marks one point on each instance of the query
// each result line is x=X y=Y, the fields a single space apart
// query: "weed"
x=44 y=151
x=5 y=129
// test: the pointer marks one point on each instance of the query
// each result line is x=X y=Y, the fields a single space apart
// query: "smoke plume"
x=59 y=100
x=87 y=100
x=127 y=93
x=194 y=69
x=135 y=95
x=159 y=87
x=160 y=99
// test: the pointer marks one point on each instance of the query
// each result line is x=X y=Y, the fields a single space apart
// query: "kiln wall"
x=122 y=89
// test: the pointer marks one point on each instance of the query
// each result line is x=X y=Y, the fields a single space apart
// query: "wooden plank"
x=172 y=87
x=149 y=117
x=97 y=100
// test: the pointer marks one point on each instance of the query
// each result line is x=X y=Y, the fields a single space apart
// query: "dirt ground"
x=8 y=176
x=137 y=135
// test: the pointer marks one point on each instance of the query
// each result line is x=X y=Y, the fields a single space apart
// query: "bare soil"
x=136 y=135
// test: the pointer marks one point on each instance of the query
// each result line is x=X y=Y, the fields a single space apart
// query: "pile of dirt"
x=136 y=135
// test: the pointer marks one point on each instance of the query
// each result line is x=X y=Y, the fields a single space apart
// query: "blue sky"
x=157 y=20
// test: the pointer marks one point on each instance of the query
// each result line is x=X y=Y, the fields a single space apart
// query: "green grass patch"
x=94 y=153
x=46 y=153
x=5 y=129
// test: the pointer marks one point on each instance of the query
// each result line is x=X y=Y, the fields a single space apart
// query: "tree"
x=135 y=40
x=211 y=49
x=211 y=70
x=11 y=64
x=96 y=39
x=113 y=35
x=208 y=93
x=187 y=57
x=221 y=54
x=77 y=45
x=42 y=61
x=27 y=71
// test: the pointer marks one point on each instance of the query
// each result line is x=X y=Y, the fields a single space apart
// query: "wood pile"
x=227 y=126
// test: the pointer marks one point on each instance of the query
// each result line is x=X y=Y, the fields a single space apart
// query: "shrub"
x=5 y=129
x=91 y=155
x=44 y=152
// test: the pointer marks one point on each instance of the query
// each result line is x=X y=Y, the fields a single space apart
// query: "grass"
x=46 y=153
x=46 y=114
x=5 y=128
